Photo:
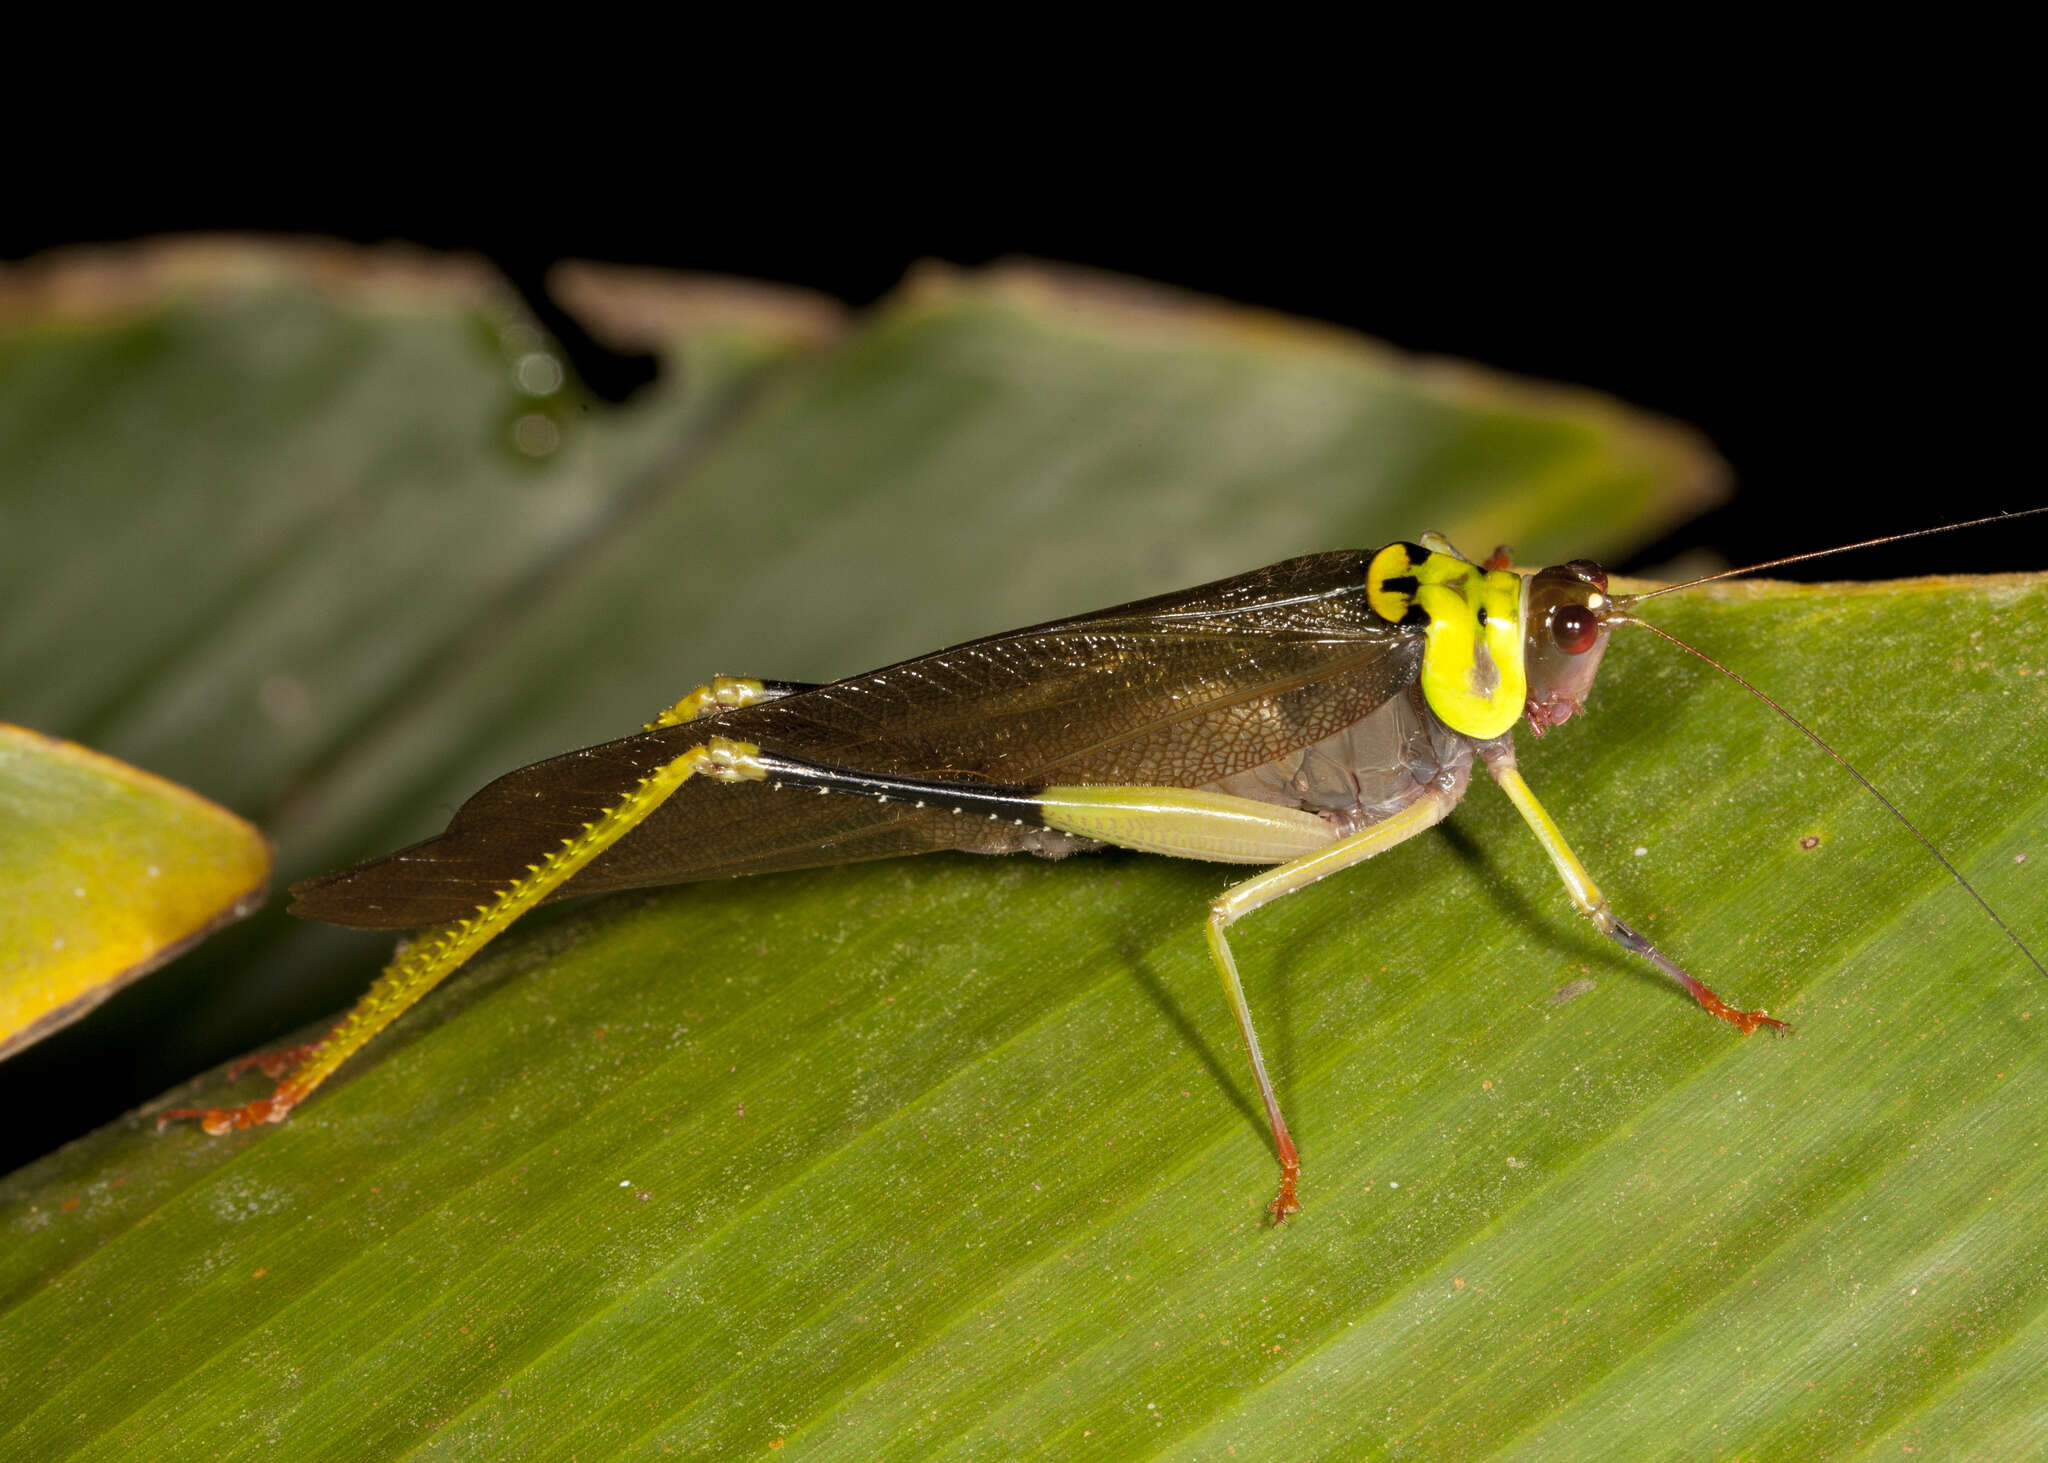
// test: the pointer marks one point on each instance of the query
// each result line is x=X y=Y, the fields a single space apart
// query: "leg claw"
x=274 y=1065
x=1745 y=1022
x=218 y=1120
x=1285 y=1202
x=278 y=1066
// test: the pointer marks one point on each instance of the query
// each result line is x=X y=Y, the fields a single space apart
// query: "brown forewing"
x=1175 y=691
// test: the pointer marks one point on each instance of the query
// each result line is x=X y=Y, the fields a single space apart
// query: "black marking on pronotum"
x=1018 y=804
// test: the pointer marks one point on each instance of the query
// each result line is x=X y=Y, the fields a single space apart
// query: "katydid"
x=1306 y=716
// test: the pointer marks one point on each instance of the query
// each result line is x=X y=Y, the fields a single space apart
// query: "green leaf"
x=109 y=872
x=955 y=1157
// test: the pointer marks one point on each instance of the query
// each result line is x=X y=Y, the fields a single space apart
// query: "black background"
x=1853 y=329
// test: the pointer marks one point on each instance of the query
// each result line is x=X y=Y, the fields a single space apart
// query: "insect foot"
x=272 y=1109
x=1286 y=1202
x=218 y=1120
x=275 y=1065
x=1744 y=1021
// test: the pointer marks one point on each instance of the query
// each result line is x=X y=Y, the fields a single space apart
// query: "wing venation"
x=1179 y=691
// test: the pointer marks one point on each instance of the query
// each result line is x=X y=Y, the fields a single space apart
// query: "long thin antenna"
x=1815 y=737
x=1868 y=543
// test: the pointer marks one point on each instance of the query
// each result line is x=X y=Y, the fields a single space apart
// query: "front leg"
x=1586 y=896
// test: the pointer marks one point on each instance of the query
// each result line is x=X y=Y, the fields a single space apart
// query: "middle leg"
x=1241 y=899
x=1181 y=823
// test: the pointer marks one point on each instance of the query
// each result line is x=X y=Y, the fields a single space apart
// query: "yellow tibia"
x=437 y=952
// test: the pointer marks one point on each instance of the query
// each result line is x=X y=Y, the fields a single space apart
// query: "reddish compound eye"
x=1574 y=628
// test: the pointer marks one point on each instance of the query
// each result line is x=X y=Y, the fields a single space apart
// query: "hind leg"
x=436 y=953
